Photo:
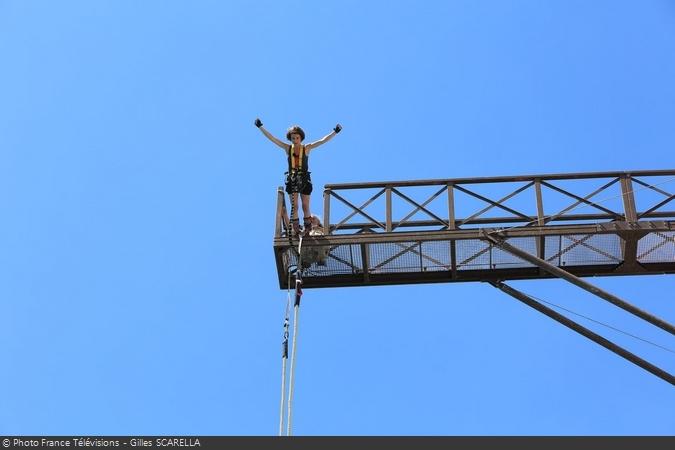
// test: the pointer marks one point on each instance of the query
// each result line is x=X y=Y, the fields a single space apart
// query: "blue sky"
x=138 y=291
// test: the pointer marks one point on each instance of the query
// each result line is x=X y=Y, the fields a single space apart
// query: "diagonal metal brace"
x=529 y=301
x=560 y=273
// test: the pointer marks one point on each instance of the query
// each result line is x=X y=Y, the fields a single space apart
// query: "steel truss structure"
x=385 y=249
x=549 y=242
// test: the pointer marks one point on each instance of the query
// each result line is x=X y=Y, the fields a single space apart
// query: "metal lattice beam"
x=628 y=242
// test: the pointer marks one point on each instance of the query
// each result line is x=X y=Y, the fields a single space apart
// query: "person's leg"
x=306 y=191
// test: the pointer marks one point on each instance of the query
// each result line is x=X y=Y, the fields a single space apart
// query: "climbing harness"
x=296 y=313
x=298 y=174
x=297 y=180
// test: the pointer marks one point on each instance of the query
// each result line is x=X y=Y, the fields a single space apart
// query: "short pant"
x=298 y=181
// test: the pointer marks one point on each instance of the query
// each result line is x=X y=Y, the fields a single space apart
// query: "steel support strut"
x=558 y=272
x=529 y=301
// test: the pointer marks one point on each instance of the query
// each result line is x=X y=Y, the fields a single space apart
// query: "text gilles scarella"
x=94 y=442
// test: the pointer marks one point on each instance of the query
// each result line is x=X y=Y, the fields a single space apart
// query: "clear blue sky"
x=138 y=290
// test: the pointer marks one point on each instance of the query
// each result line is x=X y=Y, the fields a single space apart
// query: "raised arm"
x=324 y=139
x=269 y=135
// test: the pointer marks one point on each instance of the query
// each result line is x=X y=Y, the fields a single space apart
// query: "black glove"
x=337 y=128
x=258 y=123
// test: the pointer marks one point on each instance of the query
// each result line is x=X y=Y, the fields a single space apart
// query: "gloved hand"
x=258 y=123
x=337 y=128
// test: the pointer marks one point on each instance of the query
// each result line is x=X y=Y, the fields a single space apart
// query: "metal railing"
x=628 y=183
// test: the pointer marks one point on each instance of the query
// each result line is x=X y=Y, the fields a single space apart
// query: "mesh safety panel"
x=584 y=249
x=475 y=254
x=504 y=260
x=321 y=261
x=657 y=248
x=436 y=256
x=396 y=257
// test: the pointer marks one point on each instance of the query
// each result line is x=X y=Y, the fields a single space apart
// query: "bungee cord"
x=287 y=402
x=284 y=355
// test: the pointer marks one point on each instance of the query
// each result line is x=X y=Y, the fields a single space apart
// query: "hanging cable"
x=287 y=401
x=296 y=314
x=601 y=323
x=585 y=332
x=284 y=354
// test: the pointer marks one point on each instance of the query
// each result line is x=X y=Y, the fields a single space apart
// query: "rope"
x=294 y=211
x=284 y=344
x=284 y=355
x=601 y=323
x=296 y=312
x=296 y=316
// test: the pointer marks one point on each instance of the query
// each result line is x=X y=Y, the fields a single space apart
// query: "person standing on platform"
x=298 y=179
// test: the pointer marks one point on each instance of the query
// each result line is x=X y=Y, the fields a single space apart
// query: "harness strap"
x=293 y=165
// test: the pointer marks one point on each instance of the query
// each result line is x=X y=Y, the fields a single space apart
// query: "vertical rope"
x=296 y=315
x=284 y=356
x=292 y=375
x=283 y=399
